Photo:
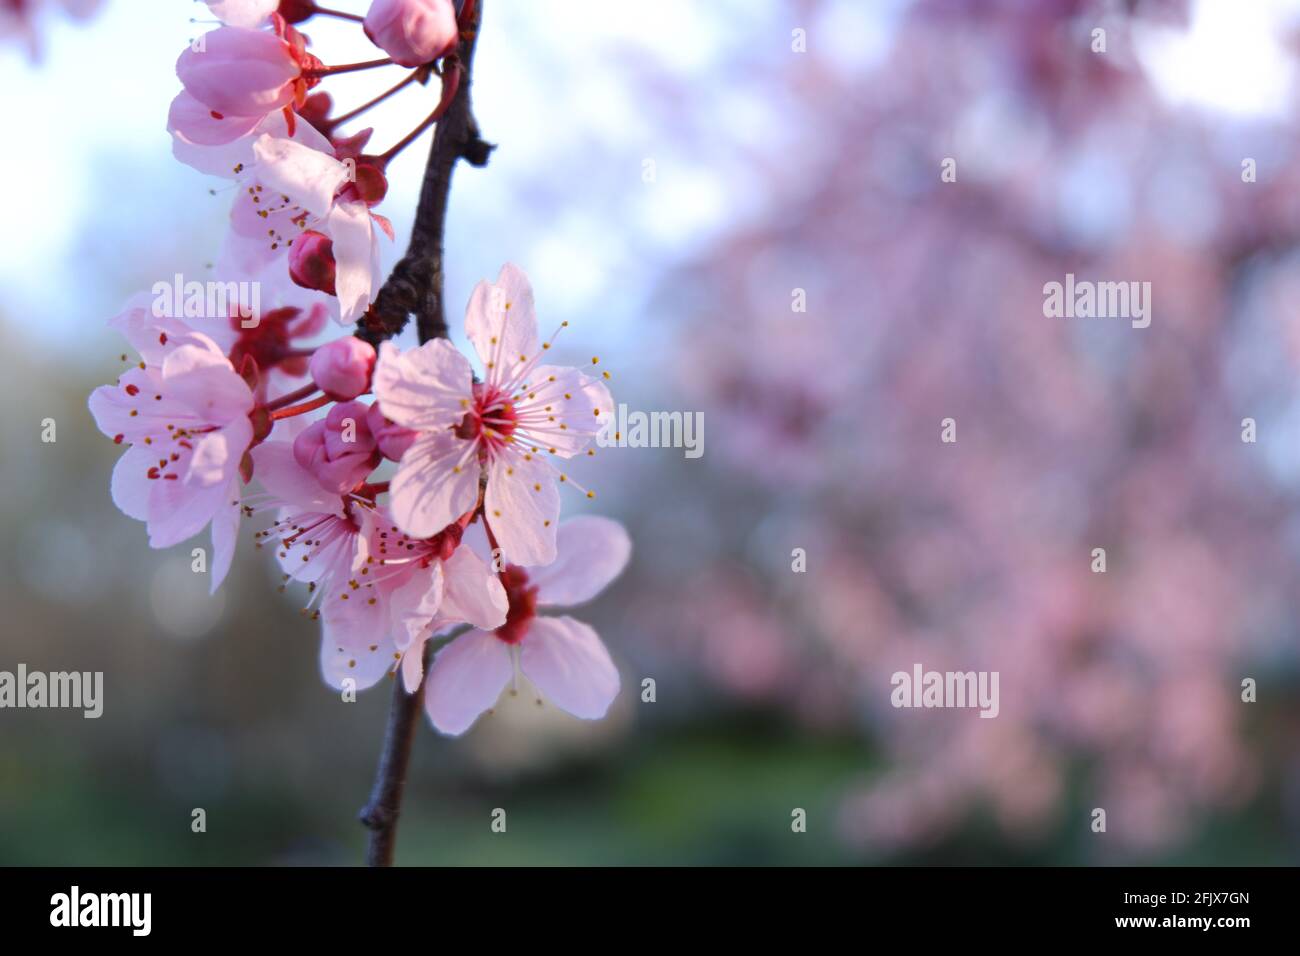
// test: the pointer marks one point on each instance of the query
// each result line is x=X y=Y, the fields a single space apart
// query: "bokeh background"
x=773 y=170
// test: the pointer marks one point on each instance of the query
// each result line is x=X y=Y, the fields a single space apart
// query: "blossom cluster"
x=463 y=544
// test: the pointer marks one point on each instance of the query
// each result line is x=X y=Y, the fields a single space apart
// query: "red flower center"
x=523 y=604
x=268 y=341
x=491 y=420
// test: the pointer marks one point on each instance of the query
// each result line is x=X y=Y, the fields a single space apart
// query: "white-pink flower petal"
x=355 y=642
x=426 y=388
x=591 y=552
x=570 y=666
x=472 y=593
x=501 y=322
x=522 y=506
x=357 y=275
x=309 y=177
x=436 y=483
x=465 y=679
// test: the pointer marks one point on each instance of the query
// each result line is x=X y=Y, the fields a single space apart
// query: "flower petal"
x=413 y=605
x=428 y=388
x=356 y=258
x=194 y=123
x=522 y=507
x=243 y=13
x=233 y=70
x=569 y=664
x=217 y=454
x=592 y=551
x=434 y=485
x=355 y=642
x=130 y=484
x=225 y=534
x=309 y=177
x=465 y=679
x=501 y=322
x=178 y=511
x=279 y=473
x=473 y=594
x=203 y=380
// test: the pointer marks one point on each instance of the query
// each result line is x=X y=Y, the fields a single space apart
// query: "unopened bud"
x=311 y=261
x=413 y=32
x=341 y=369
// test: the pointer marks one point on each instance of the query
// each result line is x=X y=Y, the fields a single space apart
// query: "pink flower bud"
x=240 y=72
x=341 y=369
x=393 y=440
x=339 y=450
x=413 y=32
x=311 y=262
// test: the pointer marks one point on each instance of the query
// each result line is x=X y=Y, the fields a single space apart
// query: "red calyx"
x=369 y=184
x=523 y=604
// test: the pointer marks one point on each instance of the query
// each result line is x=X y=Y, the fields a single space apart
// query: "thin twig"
x=415 y=287
x=385 y=805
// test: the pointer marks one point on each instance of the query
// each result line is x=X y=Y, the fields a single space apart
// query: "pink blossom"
x=342 y=368
x=406 y=590
x=324 y=539
x=297 y=185
x=503 y=425
x=339 y=449
x=413 y=32
x=224 y=147
x=192 y=122
x=318 y=532
x=235 y=71
x=563 y=657
x=269 y=328
x=184 y=413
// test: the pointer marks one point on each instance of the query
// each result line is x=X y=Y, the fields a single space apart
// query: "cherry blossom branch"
x=385 y=805
x=415 y=286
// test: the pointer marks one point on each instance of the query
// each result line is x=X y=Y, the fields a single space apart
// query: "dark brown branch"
x=382 y=810
x=415 y=288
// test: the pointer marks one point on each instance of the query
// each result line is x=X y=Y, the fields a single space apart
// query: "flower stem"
x=289 y=398
x=303 y=409
x=346 y=68
x=353 y=114
x=450 y=84
x=327 y=12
